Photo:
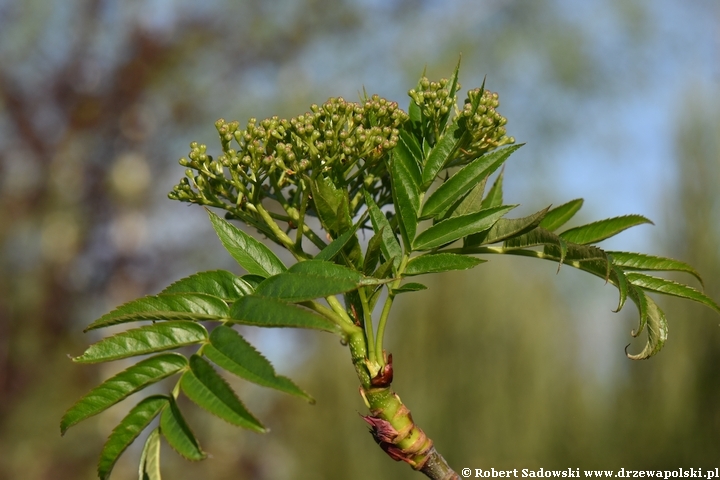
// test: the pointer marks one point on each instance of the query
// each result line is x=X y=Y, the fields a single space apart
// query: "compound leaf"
x=271 y=312
x=218 y=283
x=560 y=215
x=464 y=180
x=440 y=262
x=127 y=431
x=602 y=229
x=125 y=383
x=454 y=228
x=204 y=386
x=668 y=287
x=148 y=339
x=229 y=350
x=251 y=254
x=178 y=434
x=166 y=306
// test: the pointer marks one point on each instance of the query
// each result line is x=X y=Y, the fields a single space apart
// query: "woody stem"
x=390 y=421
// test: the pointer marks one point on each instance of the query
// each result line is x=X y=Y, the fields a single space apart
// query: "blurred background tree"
x=98 y=99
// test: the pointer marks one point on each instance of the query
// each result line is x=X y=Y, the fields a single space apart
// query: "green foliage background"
x=499 y=365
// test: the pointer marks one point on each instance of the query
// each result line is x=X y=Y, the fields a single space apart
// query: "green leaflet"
x=454 y=85
x=640 y=261
x=411 y=144
x=455 y=228
x=310 y=280
x=178 y=434
x=150 y=458
x=337 y=245
x=148 y=339
x=125 y=383
x=204 y=386
x=506 y=228
x=390 y=246
x=270 y=312
x=229 y=350
x=409 y=287
x=440 y=262
x=539 y=236
x=560 y=215
x=494 y=197
x=166 y=306
x=405 y=178
x=218 y=283
x=372 y=254
x=603 y=229
x=251 y=254
x=464 y=180
x=471 y=203
x=127 y=431
x=668 y=287
x=654 y=319
x=440 y=154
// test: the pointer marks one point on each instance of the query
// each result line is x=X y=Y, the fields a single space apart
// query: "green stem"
x=368 y=327
x=386 y=310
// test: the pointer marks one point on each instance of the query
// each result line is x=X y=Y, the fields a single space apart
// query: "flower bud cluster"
x=341 y=140
x=434 y=100
x=485 y=124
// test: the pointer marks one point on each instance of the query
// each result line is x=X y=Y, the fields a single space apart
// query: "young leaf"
x=621 y=282
x=251 y=254
x=409 y=287
x=127 y=431
x=464 y=180
x=229 y=350
x=455 y=228
x=337 y=245
x=405 y=178
x=390 y=246
x=372 y=254
x=494 y=198
x=603 y=229
x=471 y=203
x=218 y=283
x=270 y=312
x=656 y=326
x=150 y=458
x=413 y=147
x=559 y=216
x=440 y=262
x=668 y=287
x=641 y=261
x=310 y=280
x=506 y=228
x=332 y=205
x=440 y=154
x=204 y=386
x=148 y=339
x=166 y=306
x=178 y=434
x=125 y=383
x=539 y=236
